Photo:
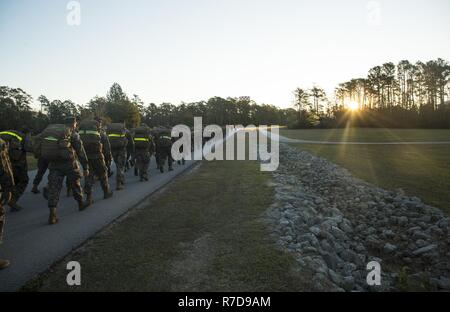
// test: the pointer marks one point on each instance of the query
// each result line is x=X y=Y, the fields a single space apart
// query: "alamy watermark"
x=374 y=17
x=73 y=278
x=374 y=275
x=73 y=17
x=237 y=140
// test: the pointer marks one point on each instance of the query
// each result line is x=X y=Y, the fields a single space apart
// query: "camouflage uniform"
x=120 y=158
x=6 y=187
x=69 y=169
x=164 y=150
x=42 y=166
x=142 y=157
x=18 y=158
x=98 y=167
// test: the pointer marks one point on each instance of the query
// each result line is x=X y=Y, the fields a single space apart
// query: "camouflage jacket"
x=78 y=147
x=6 y=175
x=106 y=147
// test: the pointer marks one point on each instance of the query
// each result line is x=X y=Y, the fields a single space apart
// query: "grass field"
x=369 y=135
x=205 y=232
x=420 y=170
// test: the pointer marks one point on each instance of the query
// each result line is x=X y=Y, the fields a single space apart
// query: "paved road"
x=33 y=246
x=284 y=139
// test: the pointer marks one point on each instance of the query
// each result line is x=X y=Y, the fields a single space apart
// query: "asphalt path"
x=33 y=246
x=283 y=139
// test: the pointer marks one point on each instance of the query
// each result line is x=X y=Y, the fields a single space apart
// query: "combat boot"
x=89 y=201
x=4 y=264
x=81 y=205
x=106 y=192
x=14 y=206
x=107 y=195
x=161 y=168
x=35 y=189
x=52 y=219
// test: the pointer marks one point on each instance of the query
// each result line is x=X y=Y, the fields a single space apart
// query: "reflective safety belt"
x=141 y=139
x=115 y=135
x=18 y=137
x=51 y=139
x=90 y=132
x=166 y=137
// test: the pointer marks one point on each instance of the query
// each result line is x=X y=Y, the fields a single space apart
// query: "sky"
x=191 y=50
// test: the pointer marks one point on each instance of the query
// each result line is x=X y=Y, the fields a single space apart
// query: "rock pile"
x=335 y=224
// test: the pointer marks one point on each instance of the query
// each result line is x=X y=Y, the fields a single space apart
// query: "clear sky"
x=190 y=50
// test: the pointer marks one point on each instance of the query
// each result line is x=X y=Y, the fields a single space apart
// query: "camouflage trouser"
x=162 y=153
x=119 y=159
x=56 y=178
x=97 y=168
x=20 y=172
x=2 y=219
x=142 y=162
x=42 y=168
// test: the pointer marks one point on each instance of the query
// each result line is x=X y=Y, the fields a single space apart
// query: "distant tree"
x=119 y=108
x=318 y=95
x=15 y=110
x=116 y=94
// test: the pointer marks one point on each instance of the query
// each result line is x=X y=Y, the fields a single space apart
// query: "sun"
x=353 y=106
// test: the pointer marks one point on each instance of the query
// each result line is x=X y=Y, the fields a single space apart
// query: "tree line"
x=116 y=106
x=402 y=95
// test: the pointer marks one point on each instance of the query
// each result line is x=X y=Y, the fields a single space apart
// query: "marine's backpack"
x=142 y=138
x=15 y=143
x=116 y=134
x=164 y=139
x=55 y=143
x=90 y=135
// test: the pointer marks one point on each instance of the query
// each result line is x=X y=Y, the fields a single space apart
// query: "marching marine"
x=19 y=144
x=6 y=189
x=98 y=152
x=121 y=145
x=62 y=147
x=164 y=149
x=144 y=149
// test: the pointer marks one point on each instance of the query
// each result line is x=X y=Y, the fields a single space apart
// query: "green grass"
x=420 y=170
x=205 y=232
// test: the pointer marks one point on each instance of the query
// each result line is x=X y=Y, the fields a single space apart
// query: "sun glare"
x=353 y=106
